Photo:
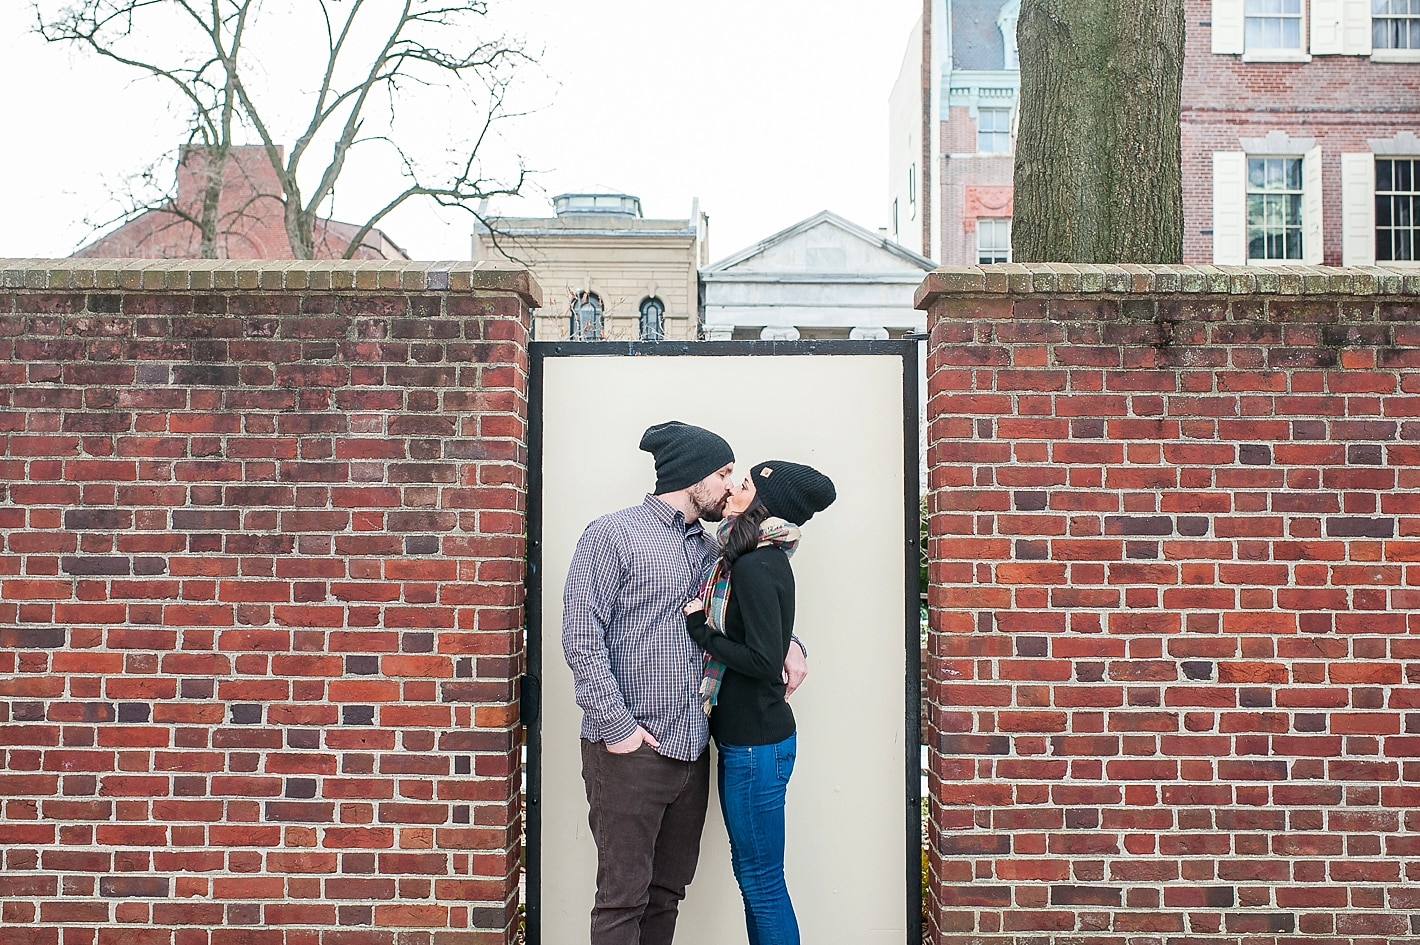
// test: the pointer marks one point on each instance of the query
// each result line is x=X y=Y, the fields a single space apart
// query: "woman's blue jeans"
x=752 y=780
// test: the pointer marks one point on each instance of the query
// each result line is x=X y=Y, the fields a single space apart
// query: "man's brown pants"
x=646 y=814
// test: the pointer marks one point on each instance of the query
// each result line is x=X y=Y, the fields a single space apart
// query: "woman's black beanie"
x=684 y=454
x=792 y=491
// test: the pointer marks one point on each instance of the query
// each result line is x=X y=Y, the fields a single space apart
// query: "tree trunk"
x=215 y=166
x=299 y=227
x=1098 y=161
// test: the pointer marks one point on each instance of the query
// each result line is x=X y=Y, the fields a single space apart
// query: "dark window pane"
x=1382 y=245
x=586 y=311
x=652 y=321
x=1383 y=211
x=1294 y=244
x=1404 y=245
x=1256 y=173
x=1255 y=245
x=1383 y=174
x=1404 y=175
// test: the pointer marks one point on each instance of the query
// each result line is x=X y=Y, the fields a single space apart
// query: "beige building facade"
x=607 y=273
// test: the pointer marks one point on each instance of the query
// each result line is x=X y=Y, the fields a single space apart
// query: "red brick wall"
x=1175 y=626
x=1340 y=101
x=260 y=602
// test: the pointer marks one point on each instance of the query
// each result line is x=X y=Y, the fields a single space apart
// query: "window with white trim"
x=1397 y=209
x=993 y=130
x=1274 y=208
x=1395 y=24
x=1272 y=25
x=993 y=240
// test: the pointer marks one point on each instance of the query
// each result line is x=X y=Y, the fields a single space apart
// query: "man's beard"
x=708 y=508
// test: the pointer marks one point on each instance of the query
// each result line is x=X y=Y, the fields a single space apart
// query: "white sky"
x=767 y=110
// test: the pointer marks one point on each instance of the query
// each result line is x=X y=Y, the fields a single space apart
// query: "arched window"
x=586 y=311
x=653 y=319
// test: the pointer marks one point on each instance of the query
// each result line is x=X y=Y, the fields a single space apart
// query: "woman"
x=744 y=623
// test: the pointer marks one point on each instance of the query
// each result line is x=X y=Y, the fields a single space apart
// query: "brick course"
x=260 y=601
x=1173 y=677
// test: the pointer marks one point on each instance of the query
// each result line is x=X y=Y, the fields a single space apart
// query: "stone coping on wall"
x=217 y=275
x=1071 y=279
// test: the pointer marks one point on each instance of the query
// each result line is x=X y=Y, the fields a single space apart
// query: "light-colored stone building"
x=821 y=278
x=607 y=273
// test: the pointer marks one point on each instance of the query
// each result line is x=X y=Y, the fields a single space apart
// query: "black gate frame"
x=530 y=687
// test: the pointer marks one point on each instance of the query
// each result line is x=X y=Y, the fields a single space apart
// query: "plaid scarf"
x=716 y=594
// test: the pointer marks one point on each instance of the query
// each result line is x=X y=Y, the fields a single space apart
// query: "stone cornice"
x=217 y=275
x=1025 y=279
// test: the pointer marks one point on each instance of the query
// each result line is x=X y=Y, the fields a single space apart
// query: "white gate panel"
x=849 y=803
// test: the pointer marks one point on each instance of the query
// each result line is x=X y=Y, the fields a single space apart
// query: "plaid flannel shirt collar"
x=670 y=515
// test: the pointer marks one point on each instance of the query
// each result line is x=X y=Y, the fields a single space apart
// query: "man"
x=637 y=678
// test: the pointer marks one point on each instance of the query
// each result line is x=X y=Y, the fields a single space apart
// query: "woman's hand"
x=695 y=621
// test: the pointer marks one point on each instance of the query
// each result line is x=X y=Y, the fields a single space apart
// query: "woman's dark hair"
x=743 y=536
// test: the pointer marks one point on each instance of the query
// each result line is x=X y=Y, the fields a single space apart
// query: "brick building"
x=610 y=273
x=953 y=114
x=1299 y=130
x=250 y=216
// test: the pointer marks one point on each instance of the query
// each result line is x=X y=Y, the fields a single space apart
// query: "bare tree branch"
x=419 y=47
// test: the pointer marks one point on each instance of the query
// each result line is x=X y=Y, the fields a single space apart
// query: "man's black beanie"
x=792 y=491
x=684 y=454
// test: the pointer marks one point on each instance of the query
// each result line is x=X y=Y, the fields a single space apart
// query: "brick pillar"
x=260 y=601
x=1175 y=633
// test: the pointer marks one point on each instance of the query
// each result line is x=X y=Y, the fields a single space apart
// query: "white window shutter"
x=1358 y=209
x=1229 y=208
x=1313 y=237
x=1356 y=27
x=1326 y=32
x=1228 y=26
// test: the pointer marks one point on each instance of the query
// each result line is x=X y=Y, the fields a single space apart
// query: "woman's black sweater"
x=759 y=621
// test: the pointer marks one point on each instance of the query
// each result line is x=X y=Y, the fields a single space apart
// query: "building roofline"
x=823 y=216
x=580 y=231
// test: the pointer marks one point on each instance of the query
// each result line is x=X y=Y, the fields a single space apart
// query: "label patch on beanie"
x=767 y=471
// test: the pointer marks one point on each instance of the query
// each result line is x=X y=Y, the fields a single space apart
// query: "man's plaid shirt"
x=623 y=629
